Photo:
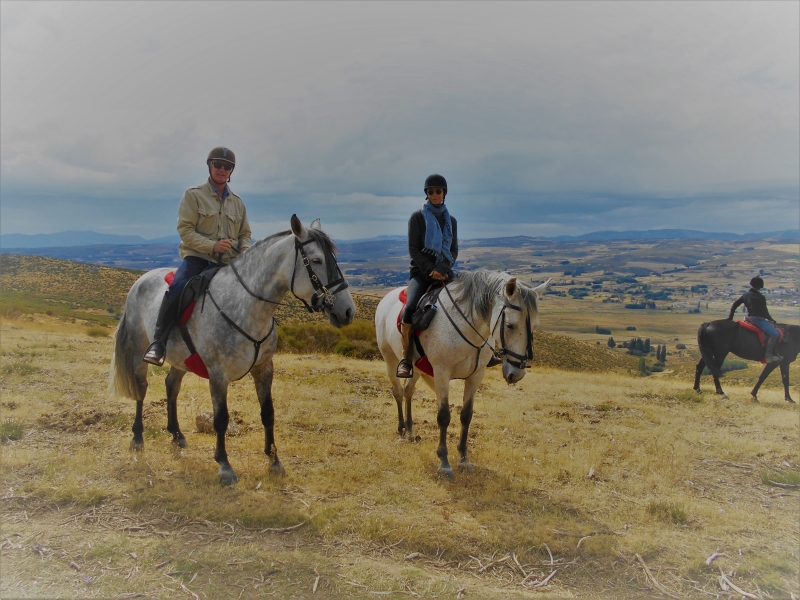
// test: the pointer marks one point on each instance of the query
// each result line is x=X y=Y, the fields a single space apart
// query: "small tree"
x=643 y=366
x=612 y=343
x=646 y=345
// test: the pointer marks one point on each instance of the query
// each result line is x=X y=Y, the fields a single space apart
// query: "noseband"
x=326 y=297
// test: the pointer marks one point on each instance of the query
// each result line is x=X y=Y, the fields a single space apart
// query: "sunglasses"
x=434 y=191
x=217 y=164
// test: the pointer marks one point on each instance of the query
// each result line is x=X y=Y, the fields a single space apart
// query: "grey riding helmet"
x=223 y=154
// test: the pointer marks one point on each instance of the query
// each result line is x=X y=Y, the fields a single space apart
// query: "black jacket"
x=422 y=263
x=755 y=303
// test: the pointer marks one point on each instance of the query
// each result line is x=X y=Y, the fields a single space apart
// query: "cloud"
x=577 y=113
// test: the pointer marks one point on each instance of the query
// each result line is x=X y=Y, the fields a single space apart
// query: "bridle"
x=321 y=292
x=326 y=297
x=504 y=352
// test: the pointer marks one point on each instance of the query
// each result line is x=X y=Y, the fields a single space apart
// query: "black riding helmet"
x=757 y=283
x=220 y=153
x=435 y=181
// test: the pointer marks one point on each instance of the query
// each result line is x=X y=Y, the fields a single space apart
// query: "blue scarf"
x=437 y=242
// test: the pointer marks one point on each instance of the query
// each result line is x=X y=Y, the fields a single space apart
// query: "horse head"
x=518 y=315
x=317 y=280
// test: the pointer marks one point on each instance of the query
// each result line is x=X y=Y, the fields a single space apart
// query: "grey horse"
x=234 y=333
x=487 y=312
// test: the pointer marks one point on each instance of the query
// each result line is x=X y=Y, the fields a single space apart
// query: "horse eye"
x=316 y=261
x=510 y=326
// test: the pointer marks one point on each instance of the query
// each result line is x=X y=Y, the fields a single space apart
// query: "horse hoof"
x=180 y=442
x=276 y=469
x=445 y=472
x=137 y=445
x=465 y=465
x=227 y=475
x=723 y=394
x=754 y=398
x=790 y=400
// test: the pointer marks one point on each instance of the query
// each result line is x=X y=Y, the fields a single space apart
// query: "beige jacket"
x=203 y=219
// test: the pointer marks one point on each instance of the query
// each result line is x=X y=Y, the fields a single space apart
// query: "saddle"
x=421 y=320
x=761 y=338
x=195 y=288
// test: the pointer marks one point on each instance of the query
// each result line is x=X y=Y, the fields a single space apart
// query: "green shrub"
x=10 y=429
x=356 y=340
x=96 y=331
x=729 y=365
x=669 y=512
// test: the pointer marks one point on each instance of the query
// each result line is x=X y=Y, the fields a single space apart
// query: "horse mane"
x=326 y=244
x=477 y=289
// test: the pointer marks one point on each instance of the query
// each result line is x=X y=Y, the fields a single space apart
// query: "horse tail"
x=707 y=350
x=121 y=377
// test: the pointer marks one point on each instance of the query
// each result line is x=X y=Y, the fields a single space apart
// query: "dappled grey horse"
x=234 y=332
x=479 y=313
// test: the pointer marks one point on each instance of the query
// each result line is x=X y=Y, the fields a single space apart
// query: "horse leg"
x=768 y=368
x=785 y=380
x=262 y=376
x=721 y=360
x=173 y=384
x=442 y=383
x=140 y=381
x=470 y=388
x=397 y=392
x=219 y=397
x=408 y=394
x=697 y=373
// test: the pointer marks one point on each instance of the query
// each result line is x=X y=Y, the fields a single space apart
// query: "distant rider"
x=212 y=221
x=433 y=247
x=758 y=315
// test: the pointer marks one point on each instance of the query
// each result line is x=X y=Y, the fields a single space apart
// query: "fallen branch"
x=788 y=486
x=714 y=557
x=283 y=529
x=723 y=578
x=494 y=562
x=653 y=580
x=542 y=583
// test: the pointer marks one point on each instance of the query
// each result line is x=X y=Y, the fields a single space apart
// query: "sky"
x=546 y=118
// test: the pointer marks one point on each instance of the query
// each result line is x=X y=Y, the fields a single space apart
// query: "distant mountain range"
x=67 y=239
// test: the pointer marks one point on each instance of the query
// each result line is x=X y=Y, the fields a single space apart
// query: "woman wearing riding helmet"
x=433 y=247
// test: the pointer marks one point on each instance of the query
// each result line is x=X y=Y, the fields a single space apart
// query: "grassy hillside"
x=586 y=485
x=96 y=294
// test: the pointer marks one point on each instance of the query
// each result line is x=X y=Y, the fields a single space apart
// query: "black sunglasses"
x=435 y=191
x=217 y=164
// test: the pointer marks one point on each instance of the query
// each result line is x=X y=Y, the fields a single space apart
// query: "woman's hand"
x=437 y=276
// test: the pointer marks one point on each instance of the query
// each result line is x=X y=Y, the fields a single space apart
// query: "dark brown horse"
x=718 y=338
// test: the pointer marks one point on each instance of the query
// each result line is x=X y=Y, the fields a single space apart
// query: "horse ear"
x=297 y=226
x=540 y=288
x=511 y=287
x=315 y=224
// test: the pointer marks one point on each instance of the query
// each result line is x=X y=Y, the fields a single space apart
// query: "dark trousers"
x=416 y=289
x=190 y=267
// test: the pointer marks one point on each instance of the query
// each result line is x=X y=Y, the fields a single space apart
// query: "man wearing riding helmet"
x=212 y=223
x=433 y=247
x=758 y=315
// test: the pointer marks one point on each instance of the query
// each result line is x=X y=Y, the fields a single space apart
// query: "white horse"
x=479 y=313
x=234 y=332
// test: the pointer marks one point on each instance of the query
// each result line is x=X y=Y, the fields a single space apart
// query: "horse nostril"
x=349 y=313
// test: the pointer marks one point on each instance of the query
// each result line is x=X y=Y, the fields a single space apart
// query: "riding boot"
x=771 y=356
x=494 y=361
x=157 y=351
x=405 y=369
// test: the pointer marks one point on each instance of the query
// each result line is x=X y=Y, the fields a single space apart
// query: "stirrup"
x=405 y=370
x=155 y=354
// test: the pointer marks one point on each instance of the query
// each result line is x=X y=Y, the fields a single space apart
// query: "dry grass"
x=593 y=468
